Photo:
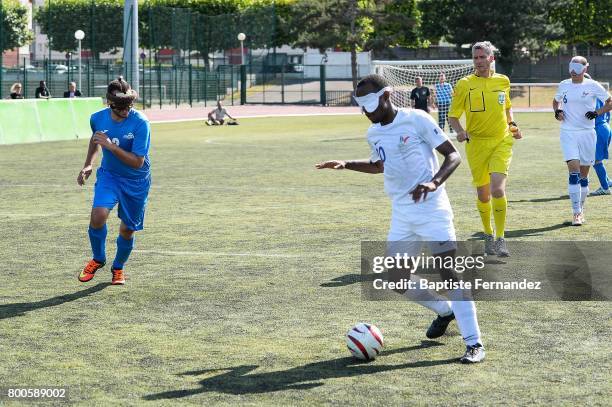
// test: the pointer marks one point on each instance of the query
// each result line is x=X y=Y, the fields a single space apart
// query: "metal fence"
x=159 y=84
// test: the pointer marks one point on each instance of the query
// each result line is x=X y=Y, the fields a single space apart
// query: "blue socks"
x=602 y=175
x=97 y=238
x=124 y=248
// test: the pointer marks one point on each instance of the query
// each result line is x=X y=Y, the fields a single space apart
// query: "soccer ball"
x=364 y=341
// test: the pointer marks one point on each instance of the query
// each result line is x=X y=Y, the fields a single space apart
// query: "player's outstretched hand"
x=84 y=174
x=422 y=190
x=102 y=140
x=462 y=136
x=333 y=164
x=591 y=115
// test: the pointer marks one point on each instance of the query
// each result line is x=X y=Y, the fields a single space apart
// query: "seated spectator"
x=216 y=117
x=16 y=91
x=72 y=92
x=42 y=92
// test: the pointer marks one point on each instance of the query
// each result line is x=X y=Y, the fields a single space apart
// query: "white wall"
x=338 y=64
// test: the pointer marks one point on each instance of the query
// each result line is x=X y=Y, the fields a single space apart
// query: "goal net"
x=402 y=75
x=526 y=97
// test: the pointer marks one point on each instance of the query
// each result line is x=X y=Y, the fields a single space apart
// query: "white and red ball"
x=364 y=341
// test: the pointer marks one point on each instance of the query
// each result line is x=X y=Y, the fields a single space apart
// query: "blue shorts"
x=603 y=141
x=130 y=194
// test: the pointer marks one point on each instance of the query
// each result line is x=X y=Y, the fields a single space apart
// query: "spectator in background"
x=16 y=91
x=420 y=96
x=444 y=96
x=216 y=117
x=72 y=92
x=42 y=92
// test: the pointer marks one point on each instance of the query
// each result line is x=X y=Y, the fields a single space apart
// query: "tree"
x=14 y=30
x=508 y=28
x=204 y=25
x=583 y=21
x=354 y=25
x=101 y=20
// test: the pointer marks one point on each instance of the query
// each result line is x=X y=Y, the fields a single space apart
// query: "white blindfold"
x=577 y=67
x=370 y=101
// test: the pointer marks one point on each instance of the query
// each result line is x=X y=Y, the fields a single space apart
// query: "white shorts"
x=413 y=225
x=579 y=145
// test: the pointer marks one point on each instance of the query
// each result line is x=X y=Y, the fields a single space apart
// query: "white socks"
x=574 y=194
x=430 y=300
x=465 y=314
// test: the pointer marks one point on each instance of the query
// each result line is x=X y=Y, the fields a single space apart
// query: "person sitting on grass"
x=216 y=117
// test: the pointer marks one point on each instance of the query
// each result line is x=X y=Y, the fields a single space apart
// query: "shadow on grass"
x=237 y=380
x=347 y=279
x=526 y=232
x=20 y=308
x=536 y=200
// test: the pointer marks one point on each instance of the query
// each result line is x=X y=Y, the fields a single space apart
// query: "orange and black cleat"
x=118 y=278
x=89 y=270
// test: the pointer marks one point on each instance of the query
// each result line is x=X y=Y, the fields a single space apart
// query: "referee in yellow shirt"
x=484 y=97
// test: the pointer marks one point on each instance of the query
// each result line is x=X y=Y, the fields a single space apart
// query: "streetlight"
x=79 y=35
x=241 y=38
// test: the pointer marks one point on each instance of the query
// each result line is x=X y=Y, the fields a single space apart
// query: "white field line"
x=516 y=110
x=262 y=116
x=215 y=254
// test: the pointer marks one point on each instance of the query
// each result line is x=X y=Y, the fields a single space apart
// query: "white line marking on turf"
x=220 y=254
x=518 y=110
x=267 y=116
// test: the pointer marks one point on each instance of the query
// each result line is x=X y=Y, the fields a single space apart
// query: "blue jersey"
x=133 y=134
x=602 y=118
x=444 y=93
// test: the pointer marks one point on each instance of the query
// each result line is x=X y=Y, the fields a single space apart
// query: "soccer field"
x=246 y=278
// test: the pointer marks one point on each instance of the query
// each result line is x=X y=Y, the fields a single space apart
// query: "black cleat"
x=473 y=354
x=438 y=326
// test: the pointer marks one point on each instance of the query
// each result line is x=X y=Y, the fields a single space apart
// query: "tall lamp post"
x=79 y=35
x=241 y=38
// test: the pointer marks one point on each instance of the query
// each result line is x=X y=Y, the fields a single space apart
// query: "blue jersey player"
x=123 y=177
x=604 y=133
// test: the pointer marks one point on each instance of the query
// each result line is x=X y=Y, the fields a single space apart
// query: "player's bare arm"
x=514 y=128
x=92 y=152
x=462 y=135
x=355 y=165
x=452 y=159
x=126 y=157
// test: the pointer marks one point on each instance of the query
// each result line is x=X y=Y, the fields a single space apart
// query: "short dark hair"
x=377 y=81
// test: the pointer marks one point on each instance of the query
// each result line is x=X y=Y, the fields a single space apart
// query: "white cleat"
x=578 y=219
x=501 y=248
x=600 y=192
x=473 y=354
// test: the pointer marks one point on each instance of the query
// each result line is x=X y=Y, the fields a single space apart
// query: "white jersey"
x=576 y=99
x=220 y=113
x=406 y=147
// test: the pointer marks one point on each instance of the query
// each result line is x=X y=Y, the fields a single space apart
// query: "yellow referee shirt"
x=484 y=101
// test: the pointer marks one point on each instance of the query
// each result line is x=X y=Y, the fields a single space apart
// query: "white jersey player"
x=574 y=105
x=402 y=146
